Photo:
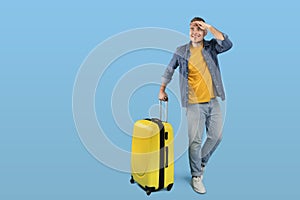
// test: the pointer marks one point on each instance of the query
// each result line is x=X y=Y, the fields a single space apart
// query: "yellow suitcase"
x=152 y=154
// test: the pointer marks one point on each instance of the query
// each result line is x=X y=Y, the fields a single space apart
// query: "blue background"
x=42 y=46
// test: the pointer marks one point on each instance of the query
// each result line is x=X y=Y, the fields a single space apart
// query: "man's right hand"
x=163 y=96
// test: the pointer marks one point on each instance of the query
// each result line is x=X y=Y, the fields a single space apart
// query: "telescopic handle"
x=166 y=109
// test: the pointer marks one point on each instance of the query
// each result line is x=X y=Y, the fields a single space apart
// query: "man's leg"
x=196 y=123
x=214 y=126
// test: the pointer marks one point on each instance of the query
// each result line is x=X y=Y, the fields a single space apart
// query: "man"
x=200 y=85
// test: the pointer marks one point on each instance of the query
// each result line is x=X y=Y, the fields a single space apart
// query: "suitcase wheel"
x=169 y=187
x=148 y=192
x=132 y=180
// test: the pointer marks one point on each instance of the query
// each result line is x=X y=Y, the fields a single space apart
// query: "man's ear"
x=205 y=32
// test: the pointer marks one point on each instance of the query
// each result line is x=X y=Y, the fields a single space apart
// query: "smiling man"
x=200 y=85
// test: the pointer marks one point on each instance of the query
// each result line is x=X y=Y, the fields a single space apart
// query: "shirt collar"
x=205 y=43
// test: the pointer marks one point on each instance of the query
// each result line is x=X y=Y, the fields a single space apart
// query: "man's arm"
x=167 y=76
x=216 y=33
x=223 y=43
x=162 y=94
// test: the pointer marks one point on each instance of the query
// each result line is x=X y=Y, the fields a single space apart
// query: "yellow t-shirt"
x=199 y=78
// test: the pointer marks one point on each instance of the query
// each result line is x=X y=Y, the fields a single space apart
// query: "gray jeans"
x=200 y=117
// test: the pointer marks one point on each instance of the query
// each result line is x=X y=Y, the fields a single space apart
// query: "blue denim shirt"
x=181 y=57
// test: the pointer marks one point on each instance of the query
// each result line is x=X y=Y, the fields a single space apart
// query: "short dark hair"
x=197 y=19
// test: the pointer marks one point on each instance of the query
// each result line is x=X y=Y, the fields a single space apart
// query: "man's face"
x=196 y=33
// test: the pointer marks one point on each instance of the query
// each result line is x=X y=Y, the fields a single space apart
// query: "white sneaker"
x=197 y=185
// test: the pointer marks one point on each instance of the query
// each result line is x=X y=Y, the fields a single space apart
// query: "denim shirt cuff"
x=220 y=42
x=164 y=80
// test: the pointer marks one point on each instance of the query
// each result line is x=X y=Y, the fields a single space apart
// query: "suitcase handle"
x=166 y=109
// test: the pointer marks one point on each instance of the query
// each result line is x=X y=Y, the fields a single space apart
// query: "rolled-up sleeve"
x=223 y=45
x=167 y=76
